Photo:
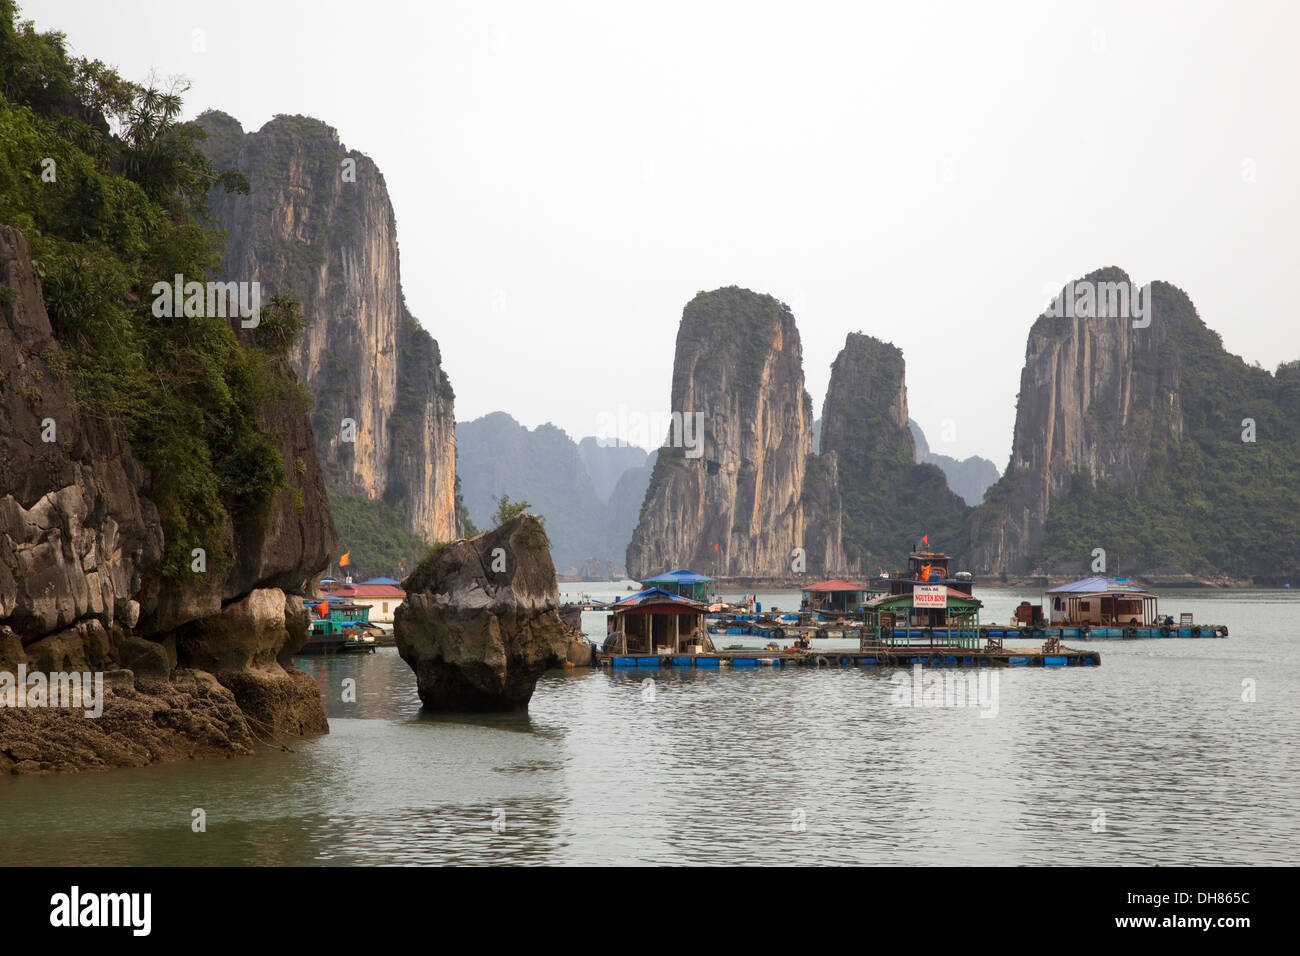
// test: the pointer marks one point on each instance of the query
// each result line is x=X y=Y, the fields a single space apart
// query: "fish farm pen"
x=875 y=657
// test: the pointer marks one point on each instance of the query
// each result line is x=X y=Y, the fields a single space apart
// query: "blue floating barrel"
x=707 y=662
x=745 y=662
x=868 y=662
x=1054 y=661
x=622 y=662
x=648 y=661
x=1019 y=662
x=950 y=660
x=682 y=661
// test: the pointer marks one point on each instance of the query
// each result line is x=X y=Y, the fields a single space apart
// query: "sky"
x=567 y=175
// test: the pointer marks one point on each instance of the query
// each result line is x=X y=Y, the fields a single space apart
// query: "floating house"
x=656 y=621
x=834 y=597
x=684 y=583
x=1113 y=602
x=920 y=612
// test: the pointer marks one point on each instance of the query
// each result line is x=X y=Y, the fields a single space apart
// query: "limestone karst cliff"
x=726 y=493
x=318 y=224
x=1151 y=443
x=888 y=499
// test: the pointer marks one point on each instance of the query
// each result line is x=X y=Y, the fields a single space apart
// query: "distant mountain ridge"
x=968 y=477
x=588 y=492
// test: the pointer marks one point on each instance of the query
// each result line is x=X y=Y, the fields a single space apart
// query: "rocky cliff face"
x=77 y=535
x=737 y=484
x=318 y=224
x=79 y=584
x=1098 y=400
x=888 y=500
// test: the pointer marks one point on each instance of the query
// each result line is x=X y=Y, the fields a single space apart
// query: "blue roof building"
x=698 y=587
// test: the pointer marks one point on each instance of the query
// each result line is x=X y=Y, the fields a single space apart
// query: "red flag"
x=715 y=547
x=925 y=539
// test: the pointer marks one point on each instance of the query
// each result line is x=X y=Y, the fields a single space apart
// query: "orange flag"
x=323 y=608
x=343 y=561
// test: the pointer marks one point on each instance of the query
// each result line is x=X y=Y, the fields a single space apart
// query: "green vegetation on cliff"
x=889 y=500
x=110 y=190
x=374 y=535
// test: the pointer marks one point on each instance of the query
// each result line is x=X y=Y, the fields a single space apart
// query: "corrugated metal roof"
x=378 y=591
x=948 y=592
x=1099 y=586
x=656 y=596
x=680 y=576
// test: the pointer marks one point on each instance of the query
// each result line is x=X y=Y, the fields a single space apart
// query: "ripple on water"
x=763 y=766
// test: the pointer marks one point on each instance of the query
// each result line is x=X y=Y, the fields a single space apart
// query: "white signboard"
x=930 y=595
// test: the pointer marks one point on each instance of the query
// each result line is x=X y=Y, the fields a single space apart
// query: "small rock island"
x=481 y=621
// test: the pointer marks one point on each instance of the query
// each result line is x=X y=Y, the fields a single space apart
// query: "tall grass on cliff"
x=110 y=190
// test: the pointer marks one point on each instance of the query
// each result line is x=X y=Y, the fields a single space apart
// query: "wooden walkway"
x=872 y=657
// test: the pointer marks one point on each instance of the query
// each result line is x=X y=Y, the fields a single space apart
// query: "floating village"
x=925 y=614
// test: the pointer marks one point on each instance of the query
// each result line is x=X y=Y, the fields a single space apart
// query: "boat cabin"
x=1114 y=602
x=656 y=621
x=834 y=597
x=684 y=583
x=339 y=609
x=927 y=567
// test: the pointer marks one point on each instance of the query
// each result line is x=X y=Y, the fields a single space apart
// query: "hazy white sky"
x=567 y=175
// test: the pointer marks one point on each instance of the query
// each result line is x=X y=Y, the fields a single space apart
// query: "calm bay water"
x=719 y=767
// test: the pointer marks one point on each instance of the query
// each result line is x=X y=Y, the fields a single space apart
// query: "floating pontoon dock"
x=874 y=657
